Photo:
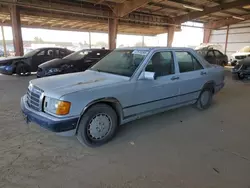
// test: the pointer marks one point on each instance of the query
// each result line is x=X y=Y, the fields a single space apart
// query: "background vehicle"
x=240 y=55
x=125 y=85
x=30 y=61
x=213 y=56
x=75 y=62
x=242 y=69
x=1 y=53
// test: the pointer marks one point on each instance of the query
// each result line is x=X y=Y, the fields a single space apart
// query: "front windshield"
x=245 y=49
x=31 y=53
x=202 y=52
x=121 y=62
x=77 y=55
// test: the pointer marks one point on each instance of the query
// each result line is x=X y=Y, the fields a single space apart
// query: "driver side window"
x=162 y=64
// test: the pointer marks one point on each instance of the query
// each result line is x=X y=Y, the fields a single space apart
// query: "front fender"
x=113 y=102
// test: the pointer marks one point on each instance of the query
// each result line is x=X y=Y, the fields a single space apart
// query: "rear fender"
x=209 y=85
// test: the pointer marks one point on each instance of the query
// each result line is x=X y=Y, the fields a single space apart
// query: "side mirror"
x=147 y=76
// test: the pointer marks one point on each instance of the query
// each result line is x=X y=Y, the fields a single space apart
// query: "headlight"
x=54 y=70
x=54 y=106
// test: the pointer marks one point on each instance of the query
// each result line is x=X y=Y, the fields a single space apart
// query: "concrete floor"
x=181 y=148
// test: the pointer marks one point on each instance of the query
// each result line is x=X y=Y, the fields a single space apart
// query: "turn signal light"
x=63 y=108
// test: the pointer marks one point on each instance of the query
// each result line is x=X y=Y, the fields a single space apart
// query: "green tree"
x=38 y=40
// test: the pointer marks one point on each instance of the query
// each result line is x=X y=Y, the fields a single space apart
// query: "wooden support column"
x=16 y=30
x=226 y=40
x=170 y=35
x=113 y=27
x=206 y=36
x=4 y=42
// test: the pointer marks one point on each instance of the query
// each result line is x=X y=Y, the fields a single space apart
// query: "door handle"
x=203 y=73
x=175 y=78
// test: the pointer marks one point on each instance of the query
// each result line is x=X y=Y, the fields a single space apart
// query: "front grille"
x=240 y=57
x=34 y=98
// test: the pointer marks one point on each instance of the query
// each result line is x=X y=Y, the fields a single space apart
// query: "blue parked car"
x=125 y=85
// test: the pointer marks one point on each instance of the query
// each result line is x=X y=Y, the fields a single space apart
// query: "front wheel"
x=97 y=126
x=23 y=69
x=241 y=76
x=205 y=99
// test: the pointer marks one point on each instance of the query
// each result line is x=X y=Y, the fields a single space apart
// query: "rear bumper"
x=46 y=121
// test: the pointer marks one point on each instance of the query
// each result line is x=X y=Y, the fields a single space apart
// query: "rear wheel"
x=97 y=126
x=23 y=69
x=205 y=99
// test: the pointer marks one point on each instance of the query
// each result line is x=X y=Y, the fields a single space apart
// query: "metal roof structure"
x=147 y=17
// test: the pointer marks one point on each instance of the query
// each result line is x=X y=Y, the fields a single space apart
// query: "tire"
x=205 y=99
x=224 y=64
x=97 y=126
x=23 y=69
x=241 y=76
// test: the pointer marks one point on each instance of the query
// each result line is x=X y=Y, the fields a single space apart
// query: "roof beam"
x=209 y=10
x=129 y=6
x=226 y=22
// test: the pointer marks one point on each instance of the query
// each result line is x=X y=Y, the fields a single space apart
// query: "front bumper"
x=46 y=121
x=6 y=69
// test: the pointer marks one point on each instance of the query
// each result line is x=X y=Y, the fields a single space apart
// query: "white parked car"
x=240 y=55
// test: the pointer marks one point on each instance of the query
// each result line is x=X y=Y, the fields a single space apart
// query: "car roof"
x=154 y=48
x=45 y=48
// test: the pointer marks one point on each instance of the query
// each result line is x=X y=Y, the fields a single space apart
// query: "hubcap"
x=205 y=98
x=99 y=126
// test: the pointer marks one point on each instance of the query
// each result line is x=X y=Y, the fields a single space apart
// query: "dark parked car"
x=75 y=62
x=213 y=56
x=29 y=62
x=242 y=69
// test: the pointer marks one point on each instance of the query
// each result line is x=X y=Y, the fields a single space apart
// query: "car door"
x=38 y=58
x=210 y=57
x=158 y=93
x=192 y=76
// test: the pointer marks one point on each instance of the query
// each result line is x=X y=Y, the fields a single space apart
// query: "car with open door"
x=75 y=62
x=29 y=62
x=125 y=85
x=213 y=56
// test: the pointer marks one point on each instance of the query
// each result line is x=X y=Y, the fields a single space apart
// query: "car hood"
x=240 y=53
x=245 y=61
x=54 y=63
x=10 y=59
x=57 y=86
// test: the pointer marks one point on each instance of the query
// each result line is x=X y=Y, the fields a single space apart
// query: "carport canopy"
x=144 y=17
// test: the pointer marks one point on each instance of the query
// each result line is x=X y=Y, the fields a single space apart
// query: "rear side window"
x=187 y=62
